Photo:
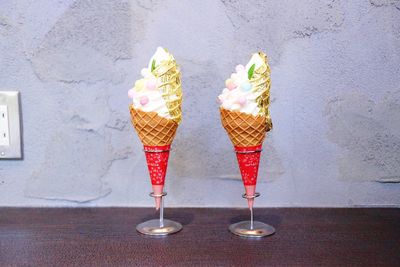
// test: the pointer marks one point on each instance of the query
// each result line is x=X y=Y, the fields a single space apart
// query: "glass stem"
x=251 y=219
x=162 y=213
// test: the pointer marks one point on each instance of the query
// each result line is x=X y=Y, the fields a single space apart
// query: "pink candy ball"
x=230 y=84
x=239 y=68
x=144 y=100
x=131 y=93
x=242 y=100
x=151 y=84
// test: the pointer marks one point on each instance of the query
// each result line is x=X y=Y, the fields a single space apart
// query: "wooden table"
x=107 y=237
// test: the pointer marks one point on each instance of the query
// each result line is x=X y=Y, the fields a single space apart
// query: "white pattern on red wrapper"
x=157 y=162
x=248 y=163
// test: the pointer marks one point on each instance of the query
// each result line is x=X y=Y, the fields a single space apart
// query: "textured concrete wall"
x=335 y=100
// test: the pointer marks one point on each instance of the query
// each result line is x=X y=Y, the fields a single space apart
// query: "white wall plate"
x=10 y=125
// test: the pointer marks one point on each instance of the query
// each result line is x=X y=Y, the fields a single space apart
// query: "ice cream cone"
x=156 y=112
x=156 y=134
x=245 y=116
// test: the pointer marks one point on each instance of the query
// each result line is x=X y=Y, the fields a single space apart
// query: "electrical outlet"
x=4 y=131
x=10 y=128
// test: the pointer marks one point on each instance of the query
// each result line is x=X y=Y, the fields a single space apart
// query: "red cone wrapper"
x=157 y=162
x=248 y=165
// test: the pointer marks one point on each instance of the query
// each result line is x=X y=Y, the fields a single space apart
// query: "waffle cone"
x=244 y=129
x=153 y=130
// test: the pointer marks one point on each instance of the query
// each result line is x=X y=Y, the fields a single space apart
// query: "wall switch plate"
x=10 y=125
x=4 y=128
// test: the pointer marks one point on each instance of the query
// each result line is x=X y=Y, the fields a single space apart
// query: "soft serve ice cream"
x=244 y=88
x=147 y=94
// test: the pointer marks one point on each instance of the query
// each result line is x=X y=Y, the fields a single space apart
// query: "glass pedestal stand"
x=161 y=226
x=251 y=229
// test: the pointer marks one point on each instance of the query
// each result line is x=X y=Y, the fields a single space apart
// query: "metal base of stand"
x=159 y=227
x=243 y=229
x=251 y=228
x=152 y=227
